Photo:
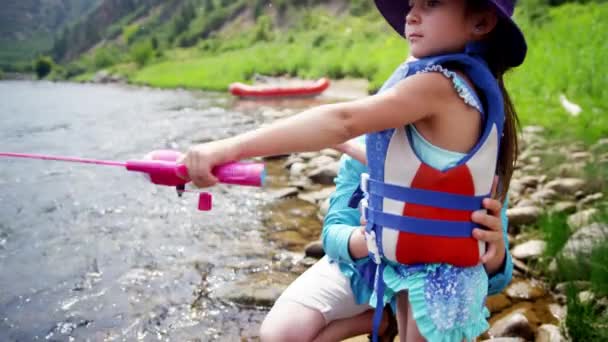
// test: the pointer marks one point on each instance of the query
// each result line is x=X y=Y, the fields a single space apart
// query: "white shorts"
x=325 y=289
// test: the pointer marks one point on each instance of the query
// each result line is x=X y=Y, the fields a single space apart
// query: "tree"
x=43 y=66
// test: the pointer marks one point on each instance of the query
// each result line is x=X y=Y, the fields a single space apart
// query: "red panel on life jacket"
x=415 y=248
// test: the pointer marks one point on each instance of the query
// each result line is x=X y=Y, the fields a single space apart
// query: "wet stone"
x=549 y=333
x=514 y=325
x=529 y=250
x=497 y=303
x=566 y=186
x=314 y=250
x=566 y=207
x=523 y=215
x=581 y=218
x=525 y=290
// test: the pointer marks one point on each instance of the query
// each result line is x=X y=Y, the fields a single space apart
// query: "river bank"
x=545 y=185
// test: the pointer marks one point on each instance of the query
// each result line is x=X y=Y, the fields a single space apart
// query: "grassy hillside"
x=567 y=53
x=28 y=27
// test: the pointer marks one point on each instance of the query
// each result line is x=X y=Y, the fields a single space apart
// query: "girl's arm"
x=354 y=150
x=342 y=222
x=412 y=99
x=497 y=261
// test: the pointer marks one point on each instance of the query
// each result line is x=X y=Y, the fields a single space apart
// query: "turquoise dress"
x=448 y=302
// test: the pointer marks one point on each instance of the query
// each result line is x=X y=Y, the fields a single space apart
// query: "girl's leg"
x=353 y=326
x=291 y=321
x=279 y=325
x=408 y=330
x=318 y=297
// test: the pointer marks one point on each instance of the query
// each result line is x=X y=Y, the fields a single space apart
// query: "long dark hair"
x=494 y=56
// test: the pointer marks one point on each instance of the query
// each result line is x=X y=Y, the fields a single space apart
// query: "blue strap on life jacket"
x=424 y=197
x=420 y=226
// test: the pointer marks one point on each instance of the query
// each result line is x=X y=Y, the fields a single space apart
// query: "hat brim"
x=395 y=11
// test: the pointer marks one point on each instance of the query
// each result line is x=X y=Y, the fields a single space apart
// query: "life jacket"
x=415 y=213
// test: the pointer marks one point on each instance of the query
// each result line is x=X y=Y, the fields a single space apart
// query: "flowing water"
x=98 y=253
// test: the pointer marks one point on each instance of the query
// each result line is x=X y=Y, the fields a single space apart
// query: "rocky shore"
x=529 y=309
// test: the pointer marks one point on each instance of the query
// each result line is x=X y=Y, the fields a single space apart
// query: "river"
x=94 y=253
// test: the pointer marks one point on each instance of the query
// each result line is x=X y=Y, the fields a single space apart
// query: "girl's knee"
x=291 y=322
x=292 y=331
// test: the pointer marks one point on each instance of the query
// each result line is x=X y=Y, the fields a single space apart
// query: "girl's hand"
x=201 y=159
x=354 y=150
x=492 y=233
x=357 y=244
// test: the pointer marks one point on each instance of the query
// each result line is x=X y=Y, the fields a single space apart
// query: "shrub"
x=43 y=66
x=142 y=52
x=129 y=32
x=105 y=57
x=263 y=29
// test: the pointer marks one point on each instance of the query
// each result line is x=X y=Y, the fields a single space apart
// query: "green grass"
x=567 y=55
x=584 y=323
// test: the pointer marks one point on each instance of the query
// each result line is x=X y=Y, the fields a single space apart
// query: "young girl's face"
x=434 y=27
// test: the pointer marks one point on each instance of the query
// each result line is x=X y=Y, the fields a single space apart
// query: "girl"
x=437 y=132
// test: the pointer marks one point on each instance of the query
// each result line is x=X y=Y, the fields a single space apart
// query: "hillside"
x=28 y=26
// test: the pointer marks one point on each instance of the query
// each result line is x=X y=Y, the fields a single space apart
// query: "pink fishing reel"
x=162 y=168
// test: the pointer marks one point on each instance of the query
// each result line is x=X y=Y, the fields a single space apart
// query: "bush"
x=129 y=32
x=263 y=29
x=142 y=52
x=105 y=57
x=360 y=7
x=1 y=74
x=43 y=66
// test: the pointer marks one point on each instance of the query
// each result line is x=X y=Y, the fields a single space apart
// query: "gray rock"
x=320 y=161
x=566 y=186
x=324 y=174
x=513 y=325
x=314 y=250
x=292 y=159
x=308 y=155
x=571 y=169
x=250 y=293
x=497 y=303
x=525 y=290
x=529 y=250
x=317 y=197
x=549 y=333
x=586 y=297
x=506 y=339
x=590 y=199
x=520 y=266
x=283 y=193
x=582 y=218
x=580 y=285
x=523 y=215
x=558 y=311
x=582 y=156
x=584 y=240
x=331 y=153
x=526 y=203
x=544 y=196
x=565 y=207
x=530 y=181
x=297 y=169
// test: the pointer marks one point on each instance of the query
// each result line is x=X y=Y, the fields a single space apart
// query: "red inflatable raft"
x=278 y=90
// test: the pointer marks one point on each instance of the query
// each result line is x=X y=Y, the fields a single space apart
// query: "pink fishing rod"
x=162 y=168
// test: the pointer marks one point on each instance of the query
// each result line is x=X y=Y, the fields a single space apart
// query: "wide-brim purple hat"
x=395 y=11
